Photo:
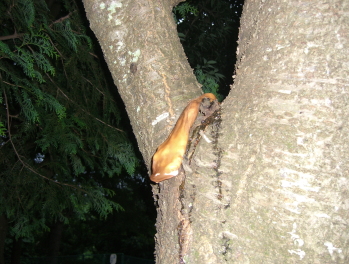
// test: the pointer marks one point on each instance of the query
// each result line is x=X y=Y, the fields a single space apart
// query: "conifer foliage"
x=59 y=125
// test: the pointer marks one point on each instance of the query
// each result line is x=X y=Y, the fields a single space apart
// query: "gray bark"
x=143 y=52
x=281 y=191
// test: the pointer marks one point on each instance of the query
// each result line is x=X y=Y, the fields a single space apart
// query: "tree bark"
x=147 y=62
x=281 y=189
x=272 y=184
x=143 y=52
x=3 y=232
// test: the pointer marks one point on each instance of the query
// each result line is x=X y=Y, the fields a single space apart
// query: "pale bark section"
x=143 y=52
x=282 y=191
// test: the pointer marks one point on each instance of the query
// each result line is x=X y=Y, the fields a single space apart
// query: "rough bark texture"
x=281 y=193
x=272 y=185
x=143 y=52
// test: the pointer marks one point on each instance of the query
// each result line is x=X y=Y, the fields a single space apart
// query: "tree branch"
x=66 y=96
x=13 y=36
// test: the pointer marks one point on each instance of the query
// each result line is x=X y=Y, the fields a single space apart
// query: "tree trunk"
x=3 y=233
x=143 y=52
x=16 y=251
x=272 y=184
x=55 y=242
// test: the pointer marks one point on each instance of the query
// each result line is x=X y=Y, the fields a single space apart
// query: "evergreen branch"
x=60 y=122
x=66 y=96
x=18 y=156
x=53 y=45
x=28 y=12
x=67 y=33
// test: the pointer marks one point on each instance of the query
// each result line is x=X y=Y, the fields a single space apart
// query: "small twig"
x=94 y=55
x=62 y=19
x=13 y=36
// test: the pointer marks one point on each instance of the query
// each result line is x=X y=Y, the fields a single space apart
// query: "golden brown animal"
x=169 y=155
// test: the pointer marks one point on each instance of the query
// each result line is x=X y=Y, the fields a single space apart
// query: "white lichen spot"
x=298 y=252
x=122 y=61
x=269 y=49
x=279 y=47
x=111 y=47
x=328 y=102
x=300 y=141
x=120 y=45
x=313 y=45
x=310 y=45
x=323 y=215
x=285 y=91
x=292 y=233
x=112 y=9
x=227 y=234
x=160 y=118
x=117 y=22
x=331 y=248
x=339 y=44
x=135 y=55
x=114 y=5
x=297 y=241
x=138 y=109
x=114 y=62
x=102 y=6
